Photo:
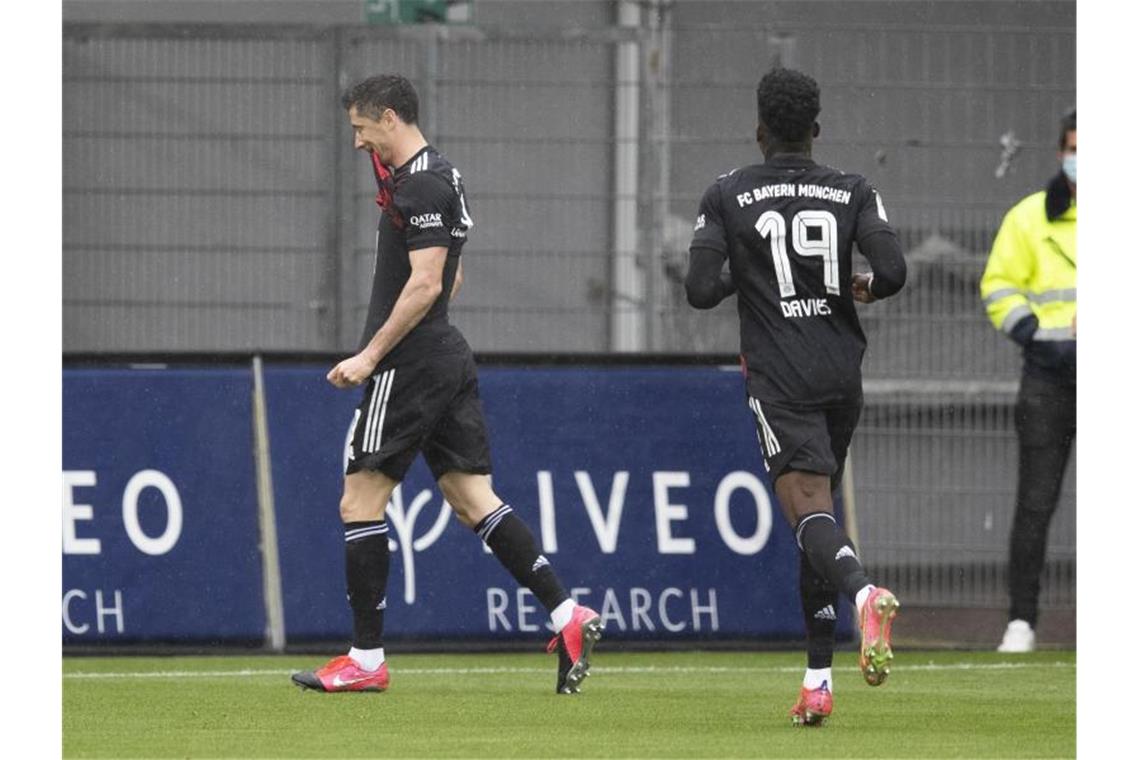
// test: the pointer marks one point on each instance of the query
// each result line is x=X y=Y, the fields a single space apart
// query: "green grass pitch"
x=675 y=704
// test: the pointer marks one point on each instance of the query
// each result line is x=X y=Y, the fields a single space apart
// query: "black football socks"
x=513 y=544
x=366 y=571
x=820 y=602
x=831 y=553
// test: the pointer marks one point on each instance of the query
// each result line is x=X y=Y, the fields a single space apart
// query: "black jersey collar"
x=789 y=160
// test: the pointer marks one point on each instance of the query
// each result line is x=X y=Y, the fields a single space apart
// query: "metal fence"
x=212 y=201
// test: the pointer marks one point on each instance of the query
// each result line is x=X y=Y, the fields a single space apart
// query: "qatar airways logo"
x=427 y=221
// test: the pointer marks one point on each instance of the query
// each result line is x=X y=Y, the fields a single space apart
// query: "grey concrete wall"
x=211 y=201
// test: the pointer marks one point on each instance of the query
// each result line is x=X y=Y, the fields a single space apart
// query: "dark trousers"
x=1046 y=422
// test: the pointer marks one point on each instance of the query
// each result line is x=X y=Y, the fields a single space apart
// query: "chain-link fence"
x=212 y=201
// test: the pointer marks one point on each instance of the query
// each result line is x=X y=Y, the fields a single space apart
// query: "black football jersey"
x=424 y=206
x=786 y=227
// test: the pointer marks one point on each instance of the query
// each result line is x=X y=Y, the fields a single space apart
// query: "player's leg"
x=805 y=451
x=366 y=493
x=1045 y=419
x=458 y=453
x=820 y=603
x=577 y=628
x=385 y=440
x=784 y=439
x=806 y=498
x=509 y=538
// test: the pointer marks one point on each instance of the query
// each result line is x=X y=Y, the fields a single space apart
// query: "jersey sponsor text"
x=427 y=221
x=791 y=190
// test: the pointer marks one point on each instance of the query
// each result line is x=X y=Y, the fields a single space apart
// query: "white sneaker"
x=1019 y=637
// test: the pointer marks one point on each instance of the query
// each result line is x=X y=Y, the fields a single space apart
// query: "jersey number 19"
x=771 y=225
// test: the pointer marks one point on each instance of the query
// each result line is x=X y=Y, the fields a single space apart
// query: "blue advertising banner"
x=644 y=487
x=160 y=538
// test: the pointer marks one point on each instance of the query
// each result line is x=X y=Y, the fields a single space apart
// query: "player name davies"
x=791 y=190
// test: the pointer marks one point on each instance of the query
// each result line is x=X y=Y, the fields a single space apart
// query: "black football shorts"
x=812 y=440
x=430 y=405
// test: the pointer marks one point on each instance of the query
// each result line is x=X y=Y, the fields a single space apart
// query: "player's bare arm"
x=422 y=289
x=888 y=268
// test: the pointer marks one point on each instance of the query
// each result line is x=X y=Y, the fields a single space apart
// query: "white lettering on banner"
x=525 y=609
x=102 y=611
x=710 y=609
x=72 y=627
x=605 y=527
x=497 y=603
x=546 y=512
x=640 y=601
x=73 y=512
x=667 y=513
x=722 y=502
x=165 y=542
x=606 y=523
x=611 y=610
x=663 y=613
x=672 y=609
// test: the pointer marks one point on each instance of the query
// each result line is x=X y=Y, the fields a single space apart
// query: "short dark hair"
x=375 y=94
x=1068 y=124
x=788 y=104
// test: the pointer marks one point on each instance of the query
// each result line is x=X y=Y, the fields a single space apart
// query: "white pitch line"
x=600 y=670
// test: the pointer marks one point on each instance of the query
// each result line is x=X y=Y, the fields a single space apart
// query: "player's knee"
x=350 y=509
x=468 y=511
x=804 y=492
x=455 y=496
x=355 y=507
x=470 y=496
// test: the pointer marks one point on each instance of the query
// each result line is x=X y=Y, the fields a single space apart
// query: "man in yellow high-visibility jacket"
x=1030 y=292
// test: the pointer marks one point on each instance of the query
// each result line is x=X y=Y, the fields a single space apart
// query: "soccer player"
x=422 y=395
x=786 y=228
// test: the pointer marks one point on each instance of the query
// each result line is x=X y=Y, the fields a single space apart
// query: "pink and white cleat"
x=574 y=644
x=875 y=620
x=813 y=707
x=343 y=674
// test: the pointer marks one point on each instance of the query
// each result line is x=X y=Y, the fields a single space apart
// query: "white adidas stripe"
x=771 y=445
x=768 y=428
x=493 y=521
x=376 y=530
x=372 y=431
x=369 y=416
x=379 y=432
x=805 y=521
